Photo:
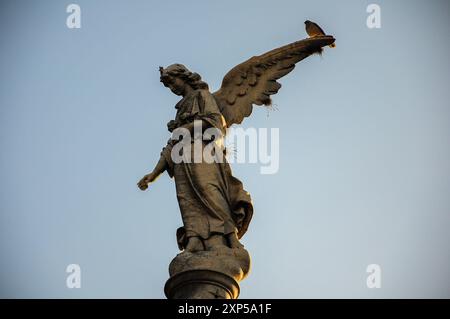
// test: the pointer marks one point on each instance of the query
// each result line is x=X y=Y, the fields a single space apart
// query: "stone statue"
x=215 y=208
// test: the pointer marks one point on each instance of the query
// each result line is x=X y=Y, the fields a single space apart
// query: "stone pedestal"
x=207 y=274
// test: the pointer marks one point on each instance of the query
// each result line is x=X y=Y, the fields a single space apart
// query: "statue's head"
x=177 y=76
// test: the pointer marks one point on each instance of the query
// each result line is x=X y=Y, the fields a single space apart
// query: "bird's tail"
x=332 y=45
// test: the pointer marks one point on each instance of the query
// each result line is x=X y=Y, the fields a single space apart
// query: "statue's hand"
x=147 y=179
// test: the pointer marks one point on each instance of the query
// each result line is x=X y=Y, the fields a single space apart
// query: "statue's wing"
x=253 y=81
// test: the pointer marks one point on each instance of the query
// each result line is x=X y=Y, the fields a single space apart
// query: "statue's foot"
x=215 y=241
x=233 y=241
x=194 y=244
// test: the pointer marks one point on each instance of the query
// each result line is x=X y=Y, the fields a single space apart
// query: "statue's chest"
x=185 y=108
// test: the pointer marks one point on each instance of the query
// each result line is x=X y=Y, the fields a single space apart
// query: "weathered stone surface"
x=234 y=262
x=208 y=274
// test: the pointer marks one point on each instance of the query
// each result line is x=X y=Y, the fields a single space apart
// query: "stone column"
x=207 y=274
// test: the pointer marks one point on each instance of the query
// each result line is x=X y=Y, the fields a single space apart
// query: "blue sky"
x=364 y=170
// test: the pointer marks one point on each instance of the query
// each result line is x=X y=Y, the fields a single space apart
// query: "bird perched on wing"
x=314 y=30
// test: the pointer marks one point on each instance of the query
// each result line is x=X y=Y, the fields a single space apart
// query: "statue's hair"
x=180 y=71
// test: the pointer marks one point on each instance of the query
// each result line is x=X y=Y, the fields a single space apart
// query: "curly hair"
x=180 y=71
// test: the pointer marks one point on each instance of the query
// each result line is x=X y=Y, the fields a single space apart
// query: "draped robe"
x=211 y=199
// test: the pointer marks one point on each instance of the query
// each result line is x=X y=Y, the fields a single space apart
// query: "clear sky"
x=364 y=172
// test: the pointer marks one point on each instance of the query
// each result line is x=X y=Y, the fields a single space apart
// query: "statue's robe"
x=211 y=199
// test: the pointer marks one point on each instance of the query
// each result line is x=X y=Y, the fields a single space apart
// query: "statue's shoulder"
x=203 y=94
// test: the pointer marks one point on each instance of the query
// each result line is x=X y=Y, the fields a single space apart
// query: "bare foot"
x=194 y=244
x=234 y=241
x=215 y=241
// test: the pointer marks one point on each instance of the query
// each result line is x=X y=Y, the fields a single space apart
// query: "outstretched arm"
x=150 y=178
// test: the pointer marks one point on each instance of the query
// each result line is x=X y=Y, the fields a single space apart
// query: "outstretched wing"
x=253 y=81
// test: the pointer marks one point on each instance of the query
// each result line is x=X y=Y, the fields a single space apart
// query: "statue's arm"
x=160 y=167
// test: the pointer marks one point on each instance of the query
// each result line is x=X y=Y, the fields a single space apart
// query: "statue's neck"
x=187 y=90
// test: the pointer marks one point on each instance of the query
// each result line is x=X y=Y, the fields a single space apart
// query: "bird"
x=314 y=30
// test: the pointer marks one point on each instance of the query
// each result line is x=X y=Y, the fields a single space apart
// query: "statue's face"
x=176 y=85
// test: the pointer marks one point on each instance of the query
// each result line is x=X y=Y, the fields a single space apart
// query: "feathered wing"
x=253 y=81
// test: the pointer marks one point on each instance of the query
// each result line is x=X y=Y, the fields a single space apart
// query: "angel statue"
x=215 y=208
